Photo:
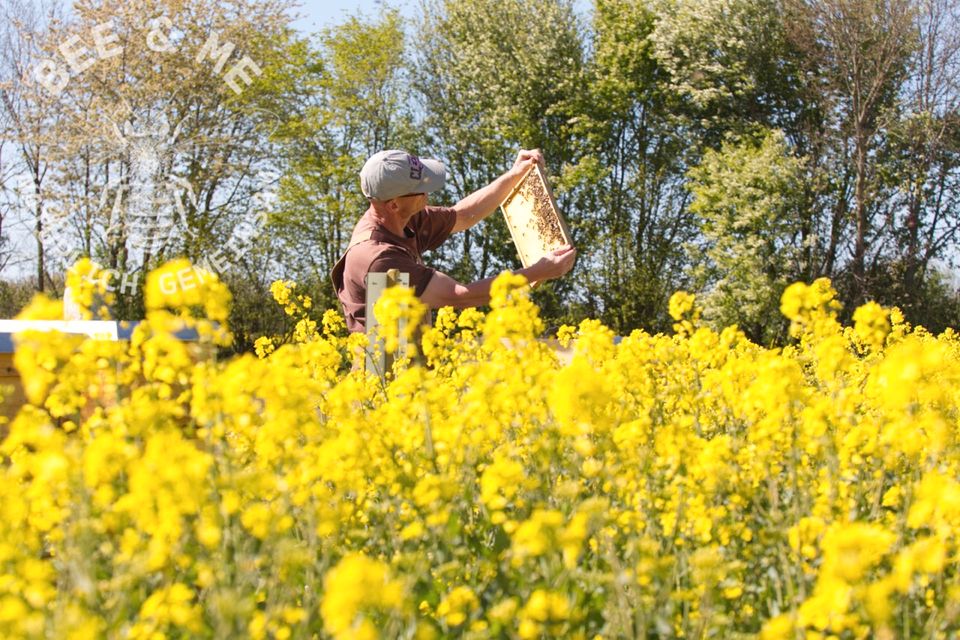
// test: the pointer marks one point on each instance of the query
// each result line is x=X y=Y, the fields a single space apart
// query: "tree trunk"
x=39 y=234
x=860 y=244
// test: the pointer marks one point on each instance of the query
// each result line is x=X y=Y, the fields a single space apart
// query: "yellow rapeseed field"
x=691 y=485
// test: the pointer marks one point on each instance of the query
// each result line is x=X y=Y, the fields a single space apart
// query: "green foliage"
x=365 y=83
x=626 y=180
x=705 y=45
x=727 y=62
x=934 y=304
x=14 y=296
x=745 y=197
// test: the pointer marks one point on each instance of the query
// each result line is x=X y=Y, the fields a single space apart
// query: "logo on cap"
x=416 y=167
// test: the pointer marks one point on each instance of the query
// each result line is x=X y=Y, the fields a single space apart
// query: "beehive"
x=535 y=222
x=12 y=395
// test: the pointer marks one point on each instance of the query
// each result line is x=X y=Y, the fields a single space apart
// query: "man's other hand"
x=553 y=265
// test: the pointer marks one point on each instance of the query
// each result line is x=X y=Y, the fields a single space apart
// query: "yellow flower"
x=877 y=600
x=850 y=549
x=358 y=587
x=457 y=606
x=412 y=531
x=208 y=529
x=811 y=308
x=500 y=481
x=732 y=592
x=537 y=535
x=42 y=308
x=827 y=608
x=936 y=503
x=183 y=288
x=513 y=316
x=503 y=611
x=778 y=628
x=804 y=536
x=263 y=346
x=871 y=325
x=169 y=607
x=683 y=308
x=90 y=289
x=681 y=304
x=257 y=518
x=149 y=490
x=282 y=291
x=543 y=612
x=399 y=313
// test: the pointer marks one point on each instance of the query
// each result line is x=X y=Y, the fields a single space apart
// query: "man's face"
x=411 y=203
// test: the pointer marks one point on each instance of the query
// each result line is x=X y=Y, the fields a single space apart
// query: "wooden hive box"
x=12 y=391
x=12 y=396
x=535 y=222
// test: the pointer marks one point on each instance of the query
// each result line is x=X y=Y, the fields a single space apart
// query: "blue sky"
x=326 y=13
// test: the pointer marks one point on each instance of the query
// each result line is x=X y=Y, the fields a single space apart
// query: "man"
x=399 y=227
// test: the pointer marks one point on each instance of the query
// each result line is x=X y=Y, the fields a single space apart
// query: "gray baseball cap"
x=388 y=174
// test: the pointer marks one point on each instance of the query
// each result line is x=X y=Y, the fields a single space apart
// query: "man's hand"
x=526 y=159
x=484 y=201
x=553 y=265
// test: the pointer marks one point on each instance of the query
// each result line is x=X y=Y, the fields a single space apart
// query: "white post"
x=377 y=283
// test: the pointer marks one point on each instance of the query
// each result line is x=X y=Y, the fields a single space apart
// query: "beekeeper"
x=399 y=226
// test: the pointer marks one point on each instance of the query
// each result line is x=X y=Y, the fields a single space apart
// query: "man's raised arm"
x=484 y=201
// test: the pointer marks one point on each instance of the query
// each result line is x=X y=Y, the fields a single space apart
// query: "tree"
x=924 y=160
x=861 y=50
x=746 y=197
x=28 y=114
x=165 y=139
x=726 y=61
x=626 y=180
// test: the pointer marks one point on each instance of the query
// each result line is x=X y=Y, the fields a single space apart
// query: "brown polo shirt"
x=374 y=248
